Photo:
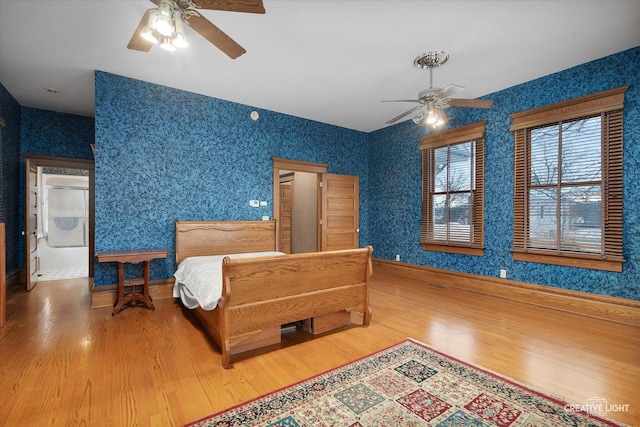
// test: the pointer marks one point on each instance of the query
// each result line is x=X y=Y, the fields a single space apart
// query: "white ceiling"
x=331 y=61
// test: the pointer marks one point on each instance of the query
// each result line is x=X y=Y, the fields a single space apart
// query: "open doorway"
x=63 y=225
x=59 y=218
x=298 y=212
x=296 y=204
x=328 y=202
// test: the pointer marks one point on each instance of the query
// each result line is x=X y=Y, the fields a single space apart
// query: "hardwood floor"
x=63 y=363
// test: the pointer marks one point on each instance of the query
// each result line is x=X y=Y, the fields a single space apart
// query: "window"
x=453 y=190
x=568 y=182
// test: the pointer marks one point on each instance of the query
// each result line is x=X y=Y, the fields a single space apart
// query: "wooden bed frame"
x=261 y=294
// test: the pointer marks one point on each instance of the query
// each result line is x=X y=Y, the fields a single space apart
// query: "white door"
x=31 y=223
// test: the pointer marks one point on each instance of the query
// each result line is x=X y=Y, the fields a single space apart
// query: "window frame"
x=473 y=132
x=609 y=106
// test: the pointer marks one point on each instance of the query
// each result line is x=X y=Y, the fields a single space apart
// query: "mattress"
x=199 y=279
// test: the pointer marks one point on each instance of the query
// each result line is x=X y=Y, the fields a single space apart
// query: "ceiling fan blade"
x=137 y=42
x=473 y=103
x=212 y=33
x=448 y=91
x=405 y=114
x=403 y=100
x=248 y=6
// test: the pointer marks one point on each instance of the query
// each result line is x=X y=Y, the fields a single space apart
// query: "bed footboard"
x=259 y=294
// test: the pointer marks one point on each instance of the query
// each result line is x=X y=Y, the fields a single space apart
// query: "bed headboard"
x=201 y=238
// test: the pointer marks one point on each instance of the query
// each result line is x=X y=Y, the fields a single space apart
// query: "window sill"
x=464 y=250
x=585 y=261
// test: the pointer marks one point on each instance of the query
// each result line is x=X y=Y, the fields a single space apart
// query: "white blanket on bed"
x=199 y=279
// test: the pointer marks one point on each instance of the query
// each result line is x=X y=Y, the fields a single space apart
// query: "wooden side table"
x=133 y=257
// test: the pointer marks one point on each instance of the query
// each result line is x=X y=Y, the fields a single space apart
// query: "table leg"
x=120 y=302
x=145 y=287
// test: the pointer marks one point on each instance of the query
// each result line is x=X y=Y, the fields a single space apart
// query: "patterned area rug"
x=408 y=384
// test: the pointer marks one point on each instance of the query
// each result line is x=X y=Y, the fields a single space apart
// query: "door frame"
x=294 y=166
x=64 y=163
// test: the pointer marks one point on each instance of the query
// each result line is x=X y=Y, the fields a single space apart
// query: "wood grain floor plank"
x=63 y=363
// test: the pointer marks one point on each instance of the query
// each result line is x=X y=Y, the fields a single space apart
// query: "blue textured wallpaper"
x=49 y=133
x=163 y=154
x=396 y=181
x=11 y=177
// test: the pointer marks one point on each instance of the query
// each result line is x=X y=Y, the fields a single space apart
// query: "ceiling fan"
x=434 y=100
x=161 y=25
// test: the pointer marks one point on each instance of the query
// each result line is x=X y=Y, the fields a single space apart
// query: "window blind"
x=568 y=182
x=453 y=190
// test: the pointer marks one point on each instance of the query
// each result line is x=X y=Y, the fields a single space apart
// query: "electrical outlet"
x=503 y=273
x=254 y=203
x=397 y=257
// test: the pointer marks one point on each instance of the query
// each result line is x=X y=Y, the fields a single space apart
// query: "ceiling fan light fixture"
x=164 y=25
x=149 y=34
x=441 y=118
x=167 y=45
x=432 y=118
x=179 y=40
x=149 y=31
x=432 y=114
x=164 y=19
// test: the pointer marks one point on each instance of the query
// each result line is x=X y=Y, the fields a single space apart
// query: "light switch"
x=254 y=203
x=263 y=203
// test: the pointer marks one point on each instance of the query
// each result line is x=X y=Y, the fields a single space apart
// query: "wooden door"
x=339 y=212
x=31 y=223
x=286 y=215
